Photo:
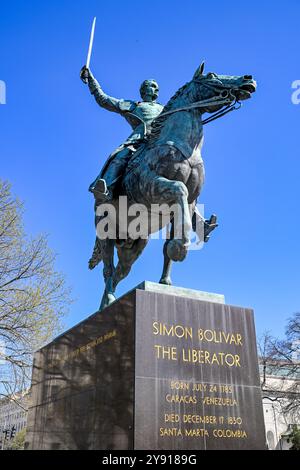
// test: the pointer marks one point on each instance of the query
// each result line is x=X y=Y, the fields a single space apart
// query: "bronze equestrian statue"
x=159 y=164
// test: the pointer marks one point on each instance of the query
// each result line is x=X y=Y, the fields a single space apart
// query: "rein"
x=222 y=112
x=215 y=101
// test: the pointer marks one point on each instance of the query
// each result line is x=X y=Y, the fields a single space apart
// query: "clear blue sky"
x=54 y=138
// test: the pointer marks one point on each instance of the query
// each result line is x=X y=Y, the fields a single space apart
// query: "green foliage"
x=294 y=438
x=19 y=440
x=33 y=295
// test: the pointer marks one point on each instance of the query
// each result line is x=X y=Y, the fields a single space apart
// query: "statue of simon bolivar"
x=139 y=114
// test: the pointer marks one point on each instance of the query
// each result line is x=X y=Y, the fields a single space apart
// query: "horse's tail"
x=96 y=257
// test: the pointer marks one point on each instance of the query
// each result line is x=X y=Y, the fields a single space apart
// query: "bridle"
x=214 y=101
x=229 y=101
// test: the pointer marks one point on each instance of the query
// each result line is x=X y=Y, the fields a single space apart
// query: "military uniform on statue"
x=139 y=114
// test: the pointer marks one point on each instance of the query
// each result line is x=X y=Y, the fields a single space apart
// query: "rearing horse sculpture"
x=169 y=170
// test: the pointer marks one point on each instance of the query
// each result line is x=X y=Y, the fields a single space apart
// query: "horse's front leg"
x=108 y=271
x=175 y=194
x=128 y=253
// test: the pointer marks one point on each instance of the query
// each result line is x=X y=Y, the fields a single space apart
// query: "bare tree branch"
x=33 y=295
x=280 y=366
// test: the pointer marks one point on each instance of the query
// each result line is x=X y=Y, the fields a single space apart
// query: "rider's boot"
x=202 y=226
x=100 y=190
x=209 y=226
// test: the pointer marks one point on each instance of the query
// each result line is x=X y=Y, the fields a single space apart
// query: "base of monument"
x=161 y=368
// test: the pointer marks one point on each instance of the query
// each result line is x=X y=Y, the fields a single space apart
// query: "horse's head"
x=231 y=88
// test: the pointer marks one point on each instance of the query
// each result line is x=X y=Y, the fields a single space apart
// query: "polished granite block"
x=158 y=369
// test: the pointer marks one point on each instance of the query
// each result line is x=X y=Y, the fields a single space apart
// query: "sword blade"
x=88 y=60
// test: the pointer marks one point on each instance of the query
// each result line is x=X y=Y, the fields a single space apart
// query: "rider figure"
x=139 y=114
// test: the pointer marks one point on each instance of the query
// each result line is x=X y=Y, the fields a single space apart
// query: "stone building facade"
x=281 y=400
x=13 y=417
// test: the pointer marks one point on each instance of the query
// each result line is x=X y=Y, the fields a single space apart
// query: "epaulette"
x=126 y=105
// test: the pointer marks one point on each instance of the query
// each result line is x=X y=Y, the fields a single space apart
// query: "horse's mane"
x=157 y=123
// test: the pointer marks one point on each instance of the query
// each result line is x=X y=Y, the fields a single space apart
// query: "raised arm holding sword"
x=139 y=114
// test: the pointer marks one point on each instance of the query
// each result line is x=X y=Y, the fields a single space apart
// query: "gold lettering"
x=187 y=399
x=230 y=433
x=198 y=419
x=166 y=352
x=225 y=389
x=199 y=387
x=155 y=328
x=179 y=331
x=219 y=401
x=213 y=336
x=234 y=420
x=173 y=418
x=179 y=385
x=237 y=360
x=205 y=357
x=170 y=432
x=239 y=339
x=196 y=433
x=86 y=347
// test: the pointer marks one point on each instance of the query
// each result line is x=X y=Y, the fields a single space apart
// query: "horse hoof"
x=166 y=281
x=176 y=250
x=107 y=300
